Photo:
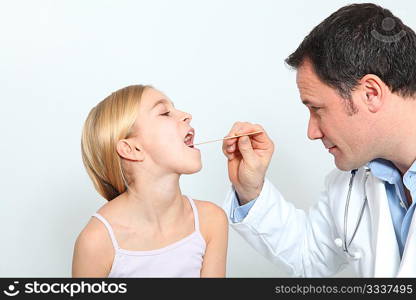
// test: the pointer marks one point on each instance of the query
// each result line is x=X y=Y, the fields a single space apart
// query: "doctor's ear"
x=374 y=91
x=129 y=150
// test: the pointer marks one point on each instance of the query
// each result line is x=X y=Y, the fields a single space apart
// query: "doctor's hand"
x=248 y=159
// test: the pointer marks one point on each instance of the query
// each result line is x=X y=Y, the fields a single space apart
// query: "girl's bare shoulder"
x=93 y=251
x=212 y=218
x=209 y=209
x=94 y=236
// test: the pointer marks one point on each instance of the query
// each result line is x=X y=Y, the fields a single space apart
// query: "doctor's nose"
x=314 y=132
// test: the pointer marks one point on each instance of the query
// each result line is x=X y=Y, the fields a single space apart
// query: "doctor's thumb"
x=245 y=147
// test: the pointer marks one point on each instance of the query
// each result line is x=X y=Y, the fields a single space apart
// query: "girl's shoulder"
x=212 y=218
x=93 y=251
x=209 y=209
x=94 y=236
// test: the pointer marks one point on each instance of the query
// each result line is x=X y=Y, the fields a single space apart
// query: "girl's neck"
x=155 y=199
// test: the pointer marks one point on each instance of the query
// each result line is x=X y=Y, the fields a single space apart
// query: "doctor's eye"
x=166 y=114
x=315 y=108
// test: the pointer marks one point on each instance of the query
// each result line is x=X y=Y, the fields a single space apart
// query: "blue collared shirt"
x=401 y=212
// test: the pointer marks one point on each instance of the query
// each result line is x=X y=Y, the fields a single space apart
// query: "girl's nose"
x=187 y=117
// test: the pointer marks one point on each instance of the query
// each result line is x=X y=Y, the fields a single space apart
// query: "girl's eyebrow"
x=162 y=101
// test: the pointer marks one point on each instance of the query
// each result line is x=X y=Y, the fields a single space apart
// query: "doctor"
x=356 y=74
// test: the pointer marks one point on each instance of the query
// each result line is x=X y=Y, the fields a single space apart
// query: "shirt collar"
x=385 y=170
x=412 y=168
x=409 y=179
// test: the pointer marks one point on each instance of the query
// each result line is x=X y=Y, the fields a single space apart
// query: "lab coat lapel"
x=408 y=264
x=387 y=256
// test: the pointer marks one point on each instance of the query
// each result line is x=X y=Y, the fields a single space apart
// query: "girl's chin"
x=191 y=169
x=193 y=149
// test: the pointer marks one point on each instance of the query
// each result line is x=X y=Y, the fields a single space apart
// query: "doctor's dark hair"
x=361 y=39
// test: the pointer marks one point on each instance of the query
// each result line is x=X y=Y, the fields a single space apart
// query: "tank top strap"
x=195 y=211
x=109 y=229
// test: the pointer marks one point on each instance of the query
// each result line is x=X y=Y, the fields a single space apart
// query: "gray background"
x=222 y=61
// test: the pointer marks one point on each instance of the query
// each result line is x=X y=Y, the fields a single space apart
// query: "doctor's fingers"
x=230 y=146
x=229 y=149
x=262 y=141
x=259 y=141
x=238 y=129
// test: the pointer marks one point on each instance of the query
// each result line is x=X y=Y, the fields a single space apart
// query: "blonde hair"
x=108 y=122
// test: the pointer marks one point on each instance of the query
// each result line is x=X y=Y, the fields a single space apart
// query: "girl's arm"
x=214 y=228
x=93 y=252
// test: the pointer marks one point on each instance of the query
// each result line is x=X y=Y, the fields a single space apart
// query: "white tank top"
x=180 y=259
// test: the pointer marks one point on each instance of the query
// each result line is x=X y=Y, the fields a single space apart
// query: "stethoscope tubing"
x=346 y=244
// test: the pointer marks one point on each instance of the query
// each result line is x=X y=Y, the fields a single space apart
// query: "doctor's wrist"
x=244 y=196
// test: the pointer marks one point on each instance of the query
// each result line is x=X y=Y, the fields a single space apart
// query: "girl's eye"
x=166 y=114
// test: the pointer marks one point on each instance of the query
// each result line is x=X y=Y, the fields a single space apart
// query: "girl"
x=135 y=146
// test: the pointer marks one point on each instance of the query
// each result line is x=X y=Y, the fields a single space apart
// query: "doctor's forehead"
x=308 y=83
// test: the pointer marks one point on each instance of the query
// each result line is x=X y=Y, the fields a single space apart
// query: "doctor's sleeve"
x=302 y=243
x=239 y=212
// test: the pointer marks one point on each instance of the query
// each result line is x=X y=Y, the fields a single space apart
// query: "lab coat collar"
x=387 y=255
x=408 y=263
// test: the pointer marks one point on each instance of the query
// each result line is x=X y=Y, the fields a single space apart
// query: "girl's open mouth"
x=189 y=138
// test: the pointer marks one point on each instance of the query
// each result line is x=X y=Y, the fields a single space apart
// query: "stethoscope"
x=344 y=243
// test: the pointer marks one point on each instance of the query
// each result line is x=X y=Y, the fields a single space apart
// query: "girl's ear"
x=129 y=150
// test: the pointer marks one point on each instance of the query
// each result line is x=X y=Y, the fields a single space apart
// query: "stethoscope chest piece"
x=352 y=254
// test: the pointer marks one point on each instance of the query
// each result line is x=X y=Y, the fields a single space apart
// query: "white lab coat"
x=305 y=243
